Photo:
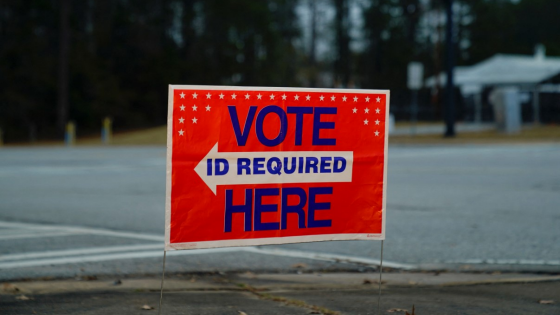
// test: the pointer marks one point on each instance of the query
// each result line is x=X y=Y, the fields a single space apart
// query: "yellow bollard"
x=106 y=130
x=70 y=135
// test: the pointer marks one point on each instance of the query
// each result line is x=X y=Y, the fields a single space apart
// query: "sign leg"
x=162 y=278
x=380 y=273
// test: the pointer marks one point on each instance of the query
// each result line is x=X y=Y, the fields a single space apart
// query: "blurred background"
x=484 y=198
x=84 y=61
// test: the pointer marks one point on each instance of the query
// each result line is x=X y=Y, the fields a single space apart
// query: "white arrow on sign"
x=314 y=175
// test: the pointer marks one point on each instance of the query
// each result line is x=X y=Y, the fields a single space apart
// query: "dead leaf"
x=23 y=298
x=367 y=281
x=89 y=278
x=546 y=301
x=299 y=265
x=412 y=311
x=8 y=287
x=241 y=313
x=401 y=310
x=147 y=307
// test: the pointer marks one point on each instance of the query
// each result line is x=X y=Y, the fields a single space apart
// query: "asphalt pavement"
x=70 y=212
x=282 y=294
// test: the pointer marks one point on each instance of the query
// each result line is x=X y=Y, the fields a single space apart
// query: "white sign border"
x=268 y=240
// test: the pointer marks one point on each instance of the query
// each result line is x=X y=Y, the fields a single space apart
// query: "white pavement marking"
x=536 y=262
x=36 y=235
x=98 y=254
x=106 y=257
x=82 y=230
x=80 y=251
x=328 y=257
x=130 y=252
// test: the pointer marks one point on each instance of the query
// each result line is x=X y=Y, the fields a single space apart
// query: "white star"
x=321 y=97
x=366 y=122
x=284 y=97
x=377 y=111
x=208 y=96
x=194 y=108
x=344 y=98
x=194 y=95
x=366 y=110
x=367 y=99
x=354 y=110
x=182 y=108
x=271 y=96
x=332 y=98
x=181 y=120
x=221 y=96
x=247 y=96
x=377 y=122
x=259 y=96
x=194 y=120
x=182 y=95
x=307 y=98
x=181 y=132
x=355 y=98
x=378 y=99
x=376 y=133
x=233 y=96
x=208 y=108
x=296 y=97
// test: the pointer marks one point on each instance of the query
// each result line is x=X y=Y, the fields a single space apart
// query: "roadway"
x=68 y=212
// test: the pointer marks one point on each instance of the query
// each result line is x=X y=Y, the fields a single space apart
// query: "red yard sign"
x=252 y=166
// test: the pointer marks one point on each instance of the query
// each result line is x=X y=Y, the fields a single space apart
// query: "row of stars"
x=208 y=107
x=195 y=120
x=284 y=97
x=182 y=132
x=194 y=108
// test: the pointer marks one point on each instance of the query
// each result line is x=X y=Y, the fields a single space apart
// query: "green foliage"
x=123 y=53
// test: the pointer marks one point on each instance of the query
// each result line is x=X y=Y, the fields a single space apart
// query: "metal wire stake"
x=380 y=272
x=162 y=278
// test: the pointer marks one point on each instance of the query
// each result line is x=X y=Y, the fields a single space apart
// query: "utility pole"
x=449 y=64
x=64 y=39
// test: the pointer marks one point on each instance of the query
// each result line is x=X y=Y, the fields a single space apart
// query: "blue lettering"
x=293 y=164
x=314 y=206
x=260 y=208
x=326 y=164
x=339 y=168
x=239 y=136
x=258 y=166
x=246 y=209
x=219 y=163
x=299 y=111
x=243 y=164
x=297 y=209
x=283 y=125
x=318 y=125
x=209 y=167
x=311 y=162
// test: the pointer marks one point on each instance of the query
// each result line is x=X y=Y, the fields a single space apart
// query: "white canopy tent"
x=527 y=73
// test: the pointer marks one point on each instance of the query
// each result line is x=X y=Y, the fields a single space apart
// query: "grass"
x=150 y=136
x=536 y=134
x=293 y=302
